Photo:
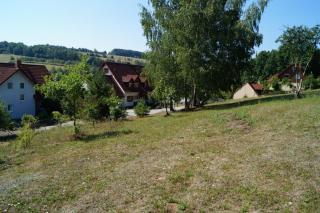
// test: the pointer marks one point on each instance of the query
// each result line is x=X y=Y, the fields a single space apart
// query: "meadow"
x=262 y=157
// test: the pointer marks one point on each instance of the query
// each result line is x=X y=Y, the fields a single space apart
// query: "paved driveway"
x=152 y=112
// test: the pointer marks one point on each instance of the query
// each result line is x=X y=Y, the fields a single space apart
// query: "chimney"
x=18 y=63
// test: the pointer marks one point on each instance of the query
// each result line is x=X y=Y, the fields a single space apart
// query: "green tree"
x=300 y=44
x=163 y=93
x=208 y=43
x=98 y=94
x=117 y=111
x=69 y=89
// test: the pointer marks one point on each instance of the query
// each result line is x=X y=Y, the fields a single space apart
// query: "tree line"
x=59 y=54
x=126 y=53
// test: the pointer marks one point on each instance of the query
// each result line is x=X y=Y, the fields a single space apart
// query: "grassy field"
x=263 y=157
x=4 y=58
x=120 y=59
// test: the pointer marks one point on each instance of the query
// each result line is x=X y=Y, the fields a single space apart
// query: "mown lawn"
x=263 y=157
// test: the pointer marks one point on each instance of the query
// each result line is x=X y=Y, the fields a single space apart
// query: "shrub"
x=5 y=121
x=25 y=137
x=117 y=113
x=58 y=117
x=29 y=120
x=311 y=82
x=116 y=108
x=27 y=132
x=92 y=114
x=275 y=84
x=141 y=109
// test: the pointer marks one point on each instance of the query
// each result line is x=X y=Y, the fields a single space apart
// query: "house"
x=292 y=74
x=17 y=87
x=249 y=90
x=127 y=81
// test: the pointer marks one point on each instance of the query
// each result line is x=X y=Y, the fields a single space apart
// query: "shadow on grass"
x=7 y=138
x=107 y=134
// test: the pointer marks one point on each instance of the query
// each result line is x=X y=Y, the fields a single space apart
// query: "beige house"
x=249 y=90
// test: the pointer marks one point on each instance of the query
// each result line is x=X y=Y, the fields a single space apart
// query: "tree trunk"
x=194 y=97
x=171 y=105
x=74 y=117
x=298 y=83
x=166 y=106
x=186 y=104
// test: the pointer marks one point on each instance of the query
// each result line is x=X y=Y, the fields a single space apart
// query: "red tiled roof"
x=34 y=73
x=256 y=86
x=125 y=73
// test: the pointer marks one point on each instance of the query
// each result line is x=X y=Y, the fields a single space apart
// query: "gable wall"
x=12 y=96
x=245 y=91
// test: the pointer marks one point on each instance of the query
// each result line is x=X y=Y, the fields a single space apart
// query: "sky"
x=108 y=24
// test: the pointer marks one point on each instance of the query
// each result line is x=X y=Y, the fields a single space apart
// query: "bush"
x=117 y=113
x=25 y=137
x=311 y=82
x=275 y=84
x=57 y=116
x=141 y=109
x=116 y=109
x=5 y=121
x=27 y=132
x=29 y=120
x=92 y=114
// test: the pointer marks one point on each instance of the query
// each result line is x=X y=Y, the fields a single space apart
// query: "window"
x=130 y=98
x=22 y=97
x=9 y=107
x=21 y=85
x=10 y=85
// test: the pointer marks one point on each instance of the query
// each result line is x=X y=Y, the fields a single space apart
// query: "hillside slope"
x=262 y=157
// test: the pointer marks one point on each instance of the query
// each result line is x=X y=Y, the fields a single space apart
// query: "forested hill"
x=58 y=52
x=126 y=53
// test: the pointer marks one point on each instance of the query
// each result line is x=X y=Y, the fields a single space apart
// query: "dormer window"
x=10 y=85
x=21 y=85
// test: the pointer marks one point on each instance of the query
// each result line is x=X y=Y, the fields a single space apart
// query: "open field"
x=4 y=58
x=120 y=59
x=263 y=157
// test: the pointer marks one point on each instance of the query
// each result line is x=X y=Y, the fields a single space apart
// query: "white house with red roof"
x=17 y=87
x=127 y=82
